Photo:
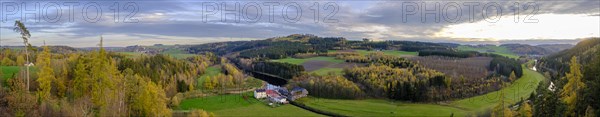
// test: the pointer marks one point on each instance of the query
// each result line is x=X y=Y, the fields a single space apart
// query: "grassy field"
x=8 y=71
x=378 y=107
x=235 y=105
x=210 y=71
x=325 y=71
x=131 y=54
x=497 y=50
x=298 y=61
x=521 y=88
x=177 y=53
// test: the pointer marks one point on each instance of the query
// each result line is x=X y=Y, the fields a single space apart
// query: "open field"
x=490 y=49
x=470 y=68
x=131 y=54
x=8 y=71
x=521 y=88
x=177 y=53
x=210 y=71
x=325 y=71
x=321 y=65
x=379 y=107
x=235 y=104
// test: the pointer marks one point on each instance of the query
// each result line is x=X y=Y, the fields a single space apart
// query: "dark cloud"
x=380 y=19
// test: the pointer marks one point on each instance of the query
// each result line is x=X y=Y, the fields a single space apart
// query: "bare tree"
x=25 y=35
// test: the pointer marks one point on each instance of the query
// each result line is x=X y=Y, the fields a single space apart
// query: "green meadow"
x=235 y=104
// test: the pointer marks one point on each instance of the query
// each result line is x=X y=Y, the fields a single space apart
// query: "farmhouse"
x=260 y=93
x=281 y=95
x=298 y=92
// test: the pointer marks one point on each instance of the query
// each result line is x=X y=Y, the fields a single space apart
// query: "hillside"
x=584 y=50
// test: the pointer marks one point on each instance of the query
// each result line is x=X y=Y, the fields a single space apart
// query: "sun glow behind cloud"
x=549 y=26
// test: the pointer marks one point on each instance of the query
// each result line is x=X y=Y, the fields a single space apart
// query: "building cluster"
x=281 y=95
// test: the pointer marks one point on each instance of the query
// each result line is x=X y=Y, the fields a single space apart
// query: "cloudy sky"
x=123 y=23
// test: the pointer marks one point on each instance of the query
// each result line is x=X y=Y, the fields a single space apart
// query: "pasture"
x=177 y=53
x=210 y=72
x=320 y=65
x=490 y=49
x=236 y=104
x=8 y=71
x=380 y=107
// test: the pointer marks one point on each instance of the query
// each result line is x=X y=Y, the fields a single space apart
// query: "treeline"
x=412 y=46
x=277 y=50
x=449 y=53
x=377 y=58
x=82 y=85
x=165 y=70
x=328 y=86
x=505 y=66
x=412 y=84
x=283 y=70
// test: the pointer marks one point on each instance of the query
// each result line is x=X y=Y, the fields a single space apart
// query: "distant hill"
x=584 y=50
x=523 y=49
x=556 y=47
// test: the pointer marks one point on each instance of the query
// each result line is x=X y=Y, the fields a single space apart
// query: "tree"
x=20 y=60
x=200 y=113
x=81 y=80
x=1 y=73
x=46 y=75
x=25 y=35
x=208 y=83
x=501 y=110
x=574 y=84
x=525 y=110
x=7 y=62
x=589 y=112
x=512 y=76
x=148 y=99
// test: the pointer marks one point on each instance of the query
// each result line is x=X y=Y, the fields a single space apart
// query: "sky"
x=147 y=22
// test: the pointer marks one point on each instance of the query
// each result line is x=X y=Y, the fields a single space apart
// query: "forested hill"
x=558 y=62
x=281 y=47
x=523 y=49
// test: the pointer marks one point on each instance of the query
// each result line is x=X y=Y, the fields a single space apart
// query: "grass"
x=298 y=61
x=177 y=53
x=521 y=88
x=131 y=54
x=497 y=50
x=378 y=107
x=8 y=71
x=325 y=71
x=236 y=105
x=210 y=72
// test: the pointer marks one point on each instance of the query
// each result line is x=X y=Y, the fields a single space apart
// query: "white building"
x=260 y=93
